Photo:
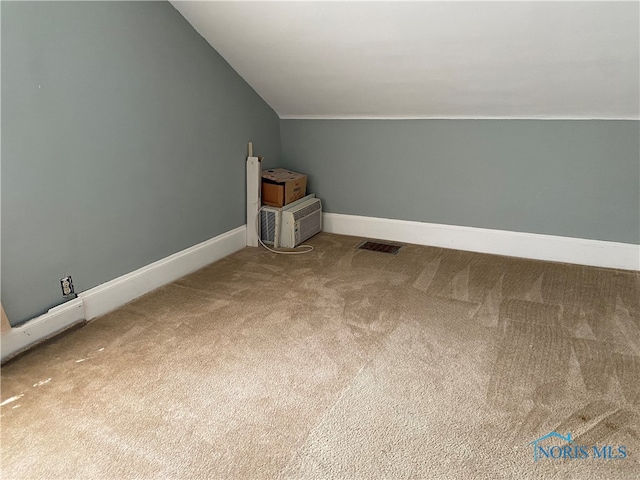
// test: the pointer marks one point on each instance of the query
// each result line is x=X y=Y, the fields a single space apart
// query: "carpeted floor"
x=341 y=364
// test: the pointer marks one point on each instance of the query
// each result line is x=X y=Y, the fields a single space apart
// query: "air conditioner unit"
x=300 y=221
x=292 y=224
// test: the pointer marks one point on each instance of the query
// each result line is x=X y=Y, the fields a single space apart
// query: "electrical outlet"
x=67 y=286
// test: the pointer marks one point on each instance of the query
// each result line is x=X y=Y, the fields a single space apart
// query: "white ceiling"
x=431 y=59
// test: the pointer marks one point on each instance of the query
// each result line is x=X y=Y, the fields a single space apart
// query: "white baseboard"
x=514 y=244
x=40 y=328
x=115 y=293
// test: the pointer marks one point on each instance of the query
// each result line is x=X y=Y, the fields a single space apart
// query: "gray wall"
x=559 y=177
x=123 y=141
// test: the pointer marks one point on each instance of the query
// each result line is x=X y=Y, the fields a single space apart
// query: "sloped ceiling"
x=431 y=59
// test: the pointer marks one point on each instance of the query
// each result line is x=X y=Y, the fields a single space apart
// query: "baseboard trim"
x=57 y=319
x=500 y=242
x=115 y=293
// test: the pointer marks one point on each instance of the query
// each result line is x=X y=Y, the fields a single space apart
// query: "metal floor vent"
x=379 y=247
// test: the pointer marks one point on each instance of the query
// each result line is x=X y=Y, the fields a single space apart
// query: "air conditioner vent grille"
x=303 y=212
x=310 y=226
x=268 y=226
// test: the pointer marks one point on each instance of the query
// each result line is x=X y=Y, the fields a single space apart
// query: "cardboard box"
x=281 y=187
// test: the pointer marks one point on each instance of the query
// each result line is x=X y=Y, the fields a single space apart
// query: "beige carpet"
x=339 y=364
